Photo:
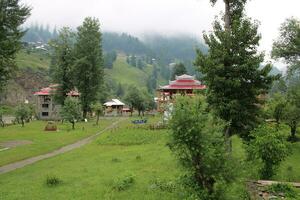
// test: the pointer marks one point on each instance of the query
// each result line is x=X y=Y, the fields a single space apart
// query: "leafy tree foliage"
x=12 y=15
x=89 y=63
x=1 y=116
x=139 y=100
x=275 y=107
x=178 y=70
x=98 y=109
x=71 y=110
x=287 y=45
x=120 y=90
x=62 y=63
x=23 y=113
x=109 y=59
x=231 y=70
x=198 y=142
x=292 y=110
x=269 y=148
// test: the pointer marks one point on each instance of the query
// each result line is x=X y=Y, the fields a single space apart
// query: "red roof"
x=51 y=89
x=184 y=82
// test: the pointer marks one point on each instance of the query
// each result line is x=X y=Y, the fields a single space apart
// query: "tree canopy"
x=287 y=46
x=232 y=71
x=89 y=63
x=61 y=68
x=12 y=15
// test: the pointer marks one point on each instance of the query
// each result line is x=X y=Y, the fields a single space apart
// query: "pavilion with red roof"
x=182 y=85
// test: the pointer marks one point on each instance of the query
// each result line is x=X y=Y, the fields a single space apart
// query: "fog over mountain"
x=168 y=17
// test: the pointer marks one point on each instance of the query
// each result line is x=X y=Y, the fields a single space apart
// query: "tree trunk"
x=228 y=139
x=227 y=15
x=84 y=113
x=139 y=112
x=22 y=121
x=73 y=125
x=293 y=130
x=97 y=122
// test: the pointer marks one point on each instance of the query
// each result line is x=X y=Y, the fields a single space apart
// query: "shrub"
x=198 y=142
x=163 y=185
x=123 y=183
x=282 y=188
x=115 y=160
x=138 y=157
x=52 y=180
x=269 y=148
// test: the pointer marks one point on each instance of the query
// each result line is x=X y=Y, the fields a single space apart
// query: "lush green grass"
x=43 y=141
x=94 y=171
x=33 y=60
x=124 y=163
x=126 y=74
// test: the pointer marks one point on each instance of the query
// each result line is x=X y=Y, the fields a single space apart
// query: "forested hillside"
x=128 y=60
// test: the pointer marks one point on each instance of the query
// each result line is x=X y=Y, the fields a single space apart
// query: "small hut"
x=114 y=107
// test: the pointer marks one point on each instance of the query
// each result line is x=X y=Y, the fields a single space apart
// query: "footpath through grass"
x=124 y=163
x=127 y=162
x=43 y=141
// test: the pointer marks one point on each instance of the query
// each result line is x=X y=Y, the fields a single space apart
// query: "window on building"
x=45 y=105
x=45 y=114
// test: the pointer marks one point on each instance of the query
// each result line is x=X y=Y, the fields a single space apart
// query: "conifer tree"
x=12 y=16
x=232 y=72
x=62 y=63
x=89 y=63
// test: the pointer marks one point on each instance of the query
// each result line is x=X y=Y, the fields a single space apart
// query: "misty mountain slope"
x=126 y=74
x=34 y=60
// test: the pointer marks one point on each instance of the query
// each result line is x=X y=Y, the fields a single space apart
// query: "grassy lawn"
x=97 y=170
x=43 y=141
x=92 y=172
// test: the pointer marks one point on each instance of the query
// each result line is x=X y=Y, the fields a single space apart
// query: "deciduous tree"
x=89 y=63
x=23 y=113
x=71 y=110
x=232 y=71
x=98 y=109
x=178 y=70
x=287 y=46
x=269 y=148
x=198 y=142
x=62 y=63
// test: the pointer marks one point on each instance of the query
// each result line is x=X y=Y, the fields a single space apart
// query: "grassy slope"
x=127 y=75
x=91 y=172
x=43 y=141
x=122 y=72
x=34 y=60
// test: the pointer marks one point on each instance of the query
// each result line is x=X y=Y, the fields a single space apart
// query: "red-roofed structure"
x=47 y=109
x=182 y=85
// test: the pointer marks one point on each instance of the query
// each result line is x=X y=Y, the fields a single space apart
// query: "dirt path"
x=28 y=161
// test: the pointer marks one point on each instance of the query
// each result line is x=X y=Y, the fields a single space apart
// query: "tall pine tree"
x=62 y=63
x=12 y=16
x=232 y=72
x=89 y=63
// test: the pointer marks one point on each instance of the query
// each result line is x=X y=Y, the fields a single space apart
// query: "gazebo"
x=182 y=85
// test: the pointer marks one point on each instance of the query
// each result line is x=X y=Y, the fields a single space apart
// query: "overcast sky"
x=161 y=16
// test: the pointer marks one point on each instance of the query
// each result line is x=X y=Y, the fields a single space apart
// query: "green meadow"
x=126 y=162
x=43 y=141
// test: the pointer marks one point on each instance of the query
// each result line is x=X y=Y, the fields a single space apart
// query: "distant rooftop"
x=51 y=90
x=184 y=82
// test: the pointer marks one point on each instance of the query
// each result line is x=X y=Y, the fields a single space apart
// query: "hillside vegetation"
x=126 y=74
